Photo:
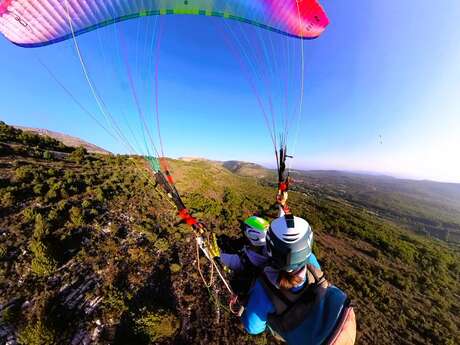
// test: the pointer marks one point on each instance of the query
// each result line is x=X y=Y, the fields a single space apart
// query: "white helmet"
x=289 y=242
x=256 y=230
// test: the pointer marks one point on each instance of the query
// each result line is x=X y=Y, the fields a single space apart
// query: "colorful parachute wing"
x=32 y=23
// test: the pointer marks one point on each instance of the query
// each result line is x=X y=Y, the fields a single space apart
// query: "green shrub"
x=39 y=189
x=52 y=194
x=47 y=155
x=158 y=326
x=86 y=204
x=36 y=334
x=53 y=215
x=114 y=301
x=93 y=212
x=78 y=155
x=29 y=214
x=7 y=199
x=42 y=263
x=41 y=227
x=161 y=245
x=24 y=174
x=62 y=205
x=11 y=314
x=100 y=196
x=76 y=216
x=52 y=172
x=3 y=252
x=175 y=268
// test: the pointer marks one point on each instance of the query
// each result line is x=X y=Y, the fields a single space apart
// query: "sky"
x=381 y=90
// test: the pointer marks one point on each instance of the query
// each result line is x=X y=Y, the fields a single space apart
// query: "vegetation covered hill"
x=65 y=139
x=92 y=252
x=248 y=169
x=426 y=207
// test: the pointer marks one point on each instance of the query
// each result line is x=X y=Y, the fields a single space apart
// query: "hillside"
x=238 y=167
x=65 y=139
x=425 y=207
x=92 y=252
x=248 y=169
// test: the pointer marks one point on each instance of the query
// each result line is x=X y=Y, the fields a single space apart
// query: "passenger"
x=291 y=296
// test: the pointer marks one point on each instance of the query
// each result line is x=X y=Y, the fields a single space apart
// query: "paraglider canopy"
x=32 y=23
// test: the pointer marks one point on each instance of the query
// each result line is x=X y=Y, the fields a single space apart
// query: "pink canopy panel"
x=32 y=23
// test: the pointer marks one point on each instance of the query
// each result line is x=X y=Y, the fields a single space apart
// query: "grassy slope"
x=105 y=221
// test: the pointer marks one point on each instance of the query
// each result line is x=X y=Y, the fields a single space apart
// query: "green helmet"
x=256 y=230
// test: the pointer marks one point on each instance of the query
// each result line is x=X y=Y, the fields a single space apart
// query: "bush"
x=175 y=268
x=7 y=199
x=42 y=263
x=39 y=189
x=29 y=214
x=3 y=252
x=114 y=301
x=78 y=155
x=24 y=174
x=86 y=204
x=47 y=155
x=52 y=194
x=100 y=196
x=158 y=326
x=41 y=227
x=36 y=334
x=76 y=216
x=161 y=245
x=12 y=313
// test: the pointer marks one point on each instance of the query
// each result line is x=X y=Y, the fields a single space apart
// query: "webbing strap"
x=319 y=278
x=286 y=209
x=275 y=293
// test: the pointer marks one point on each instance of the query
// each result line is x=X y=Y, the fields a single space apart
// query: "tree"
x=78 y=155
x=43 y=263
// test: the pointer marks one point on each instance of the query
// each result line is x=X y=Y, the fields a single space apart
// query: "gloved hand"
x=214 y=249
x=281 y=198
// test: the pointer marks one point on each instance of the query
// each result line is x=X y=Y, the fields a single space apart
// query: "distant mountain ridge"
x=247 y=169
x=241 y=168
x=66 y=139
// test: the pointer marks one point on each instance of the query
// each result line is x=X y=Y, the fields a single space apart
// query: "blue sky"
x=381 y=90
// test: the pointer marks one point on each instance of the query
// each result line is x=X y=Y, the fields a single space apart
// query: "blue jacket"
x=259 y=306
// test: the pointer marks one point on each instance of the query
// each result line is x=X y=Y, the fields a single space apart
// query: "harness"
x=291 y=307
x=243 y=281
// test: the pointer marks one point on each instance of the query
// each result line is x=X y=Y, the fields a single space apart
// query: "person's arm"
x=281 y=200
x=258 y=308
x=232 y=261
x=281 y=212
